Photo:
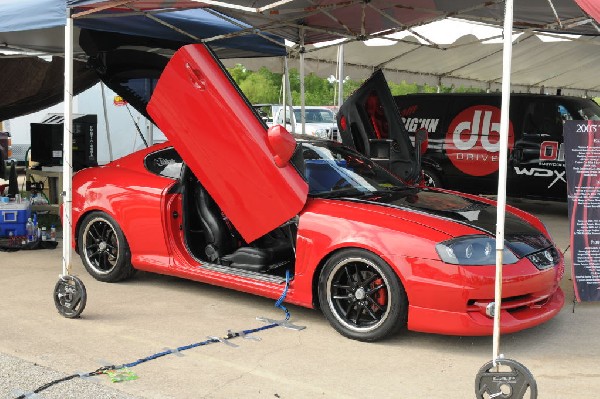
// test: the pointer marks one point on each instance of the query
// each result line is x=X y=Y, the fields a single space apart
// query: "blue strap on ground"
x=279 y=302
x=230 y=335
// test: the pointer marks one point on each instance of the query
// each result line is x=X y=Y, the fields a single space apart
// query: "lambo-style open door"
x=220 y=137
x=369 y=122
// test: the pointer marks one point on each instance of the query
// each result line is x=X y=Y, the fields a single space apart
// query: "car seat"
x=217 y=234
x=224 y=245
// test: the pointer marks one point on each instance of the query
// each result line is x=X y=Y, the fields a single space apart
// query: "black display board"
x=47 y=141
x=582 y=156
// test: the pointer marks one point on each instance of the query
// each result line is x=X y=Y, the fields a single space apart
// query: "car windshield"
x=315 y=115
x=333 y=170
x=583 y=109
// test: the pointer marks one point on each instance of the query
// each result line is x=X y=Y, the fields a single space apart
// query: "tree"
x=264 y=87
x=259 y=87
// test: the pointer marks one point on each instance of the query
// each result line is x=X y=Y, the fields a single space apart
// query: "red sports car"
x=230 y=203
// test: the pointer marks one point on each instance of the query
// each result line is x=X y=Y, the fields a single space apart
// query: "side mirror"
x=282 y=145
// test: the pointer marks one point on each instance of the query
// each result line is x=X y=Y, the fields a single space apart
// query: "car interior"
x=211 y=237
x=371 y=124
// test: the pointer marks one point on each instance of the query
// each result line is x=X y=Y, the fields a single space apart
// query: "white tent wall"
x=125 y=138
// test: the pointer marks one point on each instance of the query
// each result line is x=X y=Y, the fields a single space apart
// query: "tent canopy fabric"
x=38 y=25
x=32 y=84
x=467 y=61
x=322 y=20
x=197 y=23
x=24 y=15
x=29 y=84
x=540 y=60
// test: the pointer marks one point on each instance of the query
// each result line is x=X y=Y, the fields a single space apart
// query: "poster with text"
x=582 y=157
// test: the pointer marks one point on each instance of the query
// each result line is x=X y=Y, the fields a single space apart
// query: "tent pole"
x=287 y=94
x=284 y=91
x=501 y=207
x=110 y=151
x=302 y=99
x=340 y=75
x=67 y=148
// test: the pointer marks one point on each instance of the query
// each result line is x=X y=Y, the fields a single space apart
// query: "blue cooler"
x=13 y=218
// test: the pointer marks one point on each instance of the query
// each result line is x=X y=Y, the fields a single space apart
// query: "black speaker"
x=47 y=141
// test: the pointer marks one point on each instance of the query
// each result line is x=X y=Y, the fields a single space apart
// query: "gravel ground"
x=29 y=376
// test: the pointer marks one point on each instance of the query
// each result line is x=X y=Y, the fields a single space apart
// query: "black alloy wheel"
x=104 y=249
x=361 y=296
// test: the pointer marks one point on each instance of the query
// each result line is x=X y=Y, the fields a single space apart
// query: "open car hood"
x=369 y=121
x=224 y=141
x=125 y=65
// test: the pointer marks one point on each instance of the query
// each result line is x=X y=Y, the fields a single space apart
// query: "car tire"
x=431 y=179
x=104 y=249
x=361 y=296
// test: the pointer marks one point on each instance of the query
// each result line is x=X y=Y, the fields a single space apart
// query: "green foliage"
x=260 y=87
x=264 y=87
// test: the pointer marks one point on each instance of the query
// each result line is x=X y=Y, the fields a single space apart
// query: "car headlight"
x=472 y=251
x=321 y=133
x=545 y=259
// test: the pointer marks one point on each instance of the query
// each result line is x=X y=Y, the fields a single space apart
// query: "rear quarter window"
x=166 y=162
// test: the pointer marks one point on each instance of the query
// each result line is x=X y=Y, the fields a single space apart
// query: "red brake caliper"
x=380 y=295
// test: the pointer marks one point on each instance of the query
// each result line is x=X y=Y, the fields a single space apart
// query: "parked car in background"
x=265 y=111
x=320 y=121
x=230 y=203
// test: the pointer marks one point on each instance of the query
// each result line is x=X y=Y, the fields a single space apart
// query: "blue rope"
x=229 y=335
x=279 y=302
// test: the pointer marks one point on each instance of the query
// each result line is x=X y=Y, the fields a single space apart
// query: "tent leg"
x=287 y=96
x=69 y=292
x=486 y=381
x=67 y=148
x=501 y=209
x=110 y=151
x=340 y=75
x=302 y=96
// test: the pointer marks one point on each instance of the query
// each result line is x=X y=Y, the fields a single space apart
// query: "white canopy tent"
x=455 y=52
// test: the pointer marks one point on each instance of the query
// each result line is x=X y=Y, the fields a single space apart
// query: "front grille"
x=510 y=304
x=333 y=134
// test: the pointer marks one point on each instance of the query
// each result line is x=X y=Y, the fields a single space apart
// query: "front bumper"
x=454 y=302
x=478 y=323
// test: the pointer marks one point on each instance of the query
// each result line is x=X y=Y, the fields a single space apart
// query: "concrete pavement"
x=125 y=321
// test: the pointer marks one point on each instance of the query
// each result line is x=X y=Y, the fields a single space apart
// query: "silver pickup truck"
x=320 y=121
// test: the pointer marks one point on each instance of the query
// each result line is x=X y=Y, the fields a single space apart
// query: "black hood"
x=32 y=84
x=125 y=65
x=522 y=238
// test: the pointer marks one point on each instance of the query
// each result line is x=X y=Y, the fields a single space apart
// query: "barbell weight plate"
x=69 y=296
x=511 y=380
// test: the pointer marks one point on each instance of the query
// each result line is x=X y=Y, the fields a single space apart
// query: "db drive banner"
x=582 y=156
